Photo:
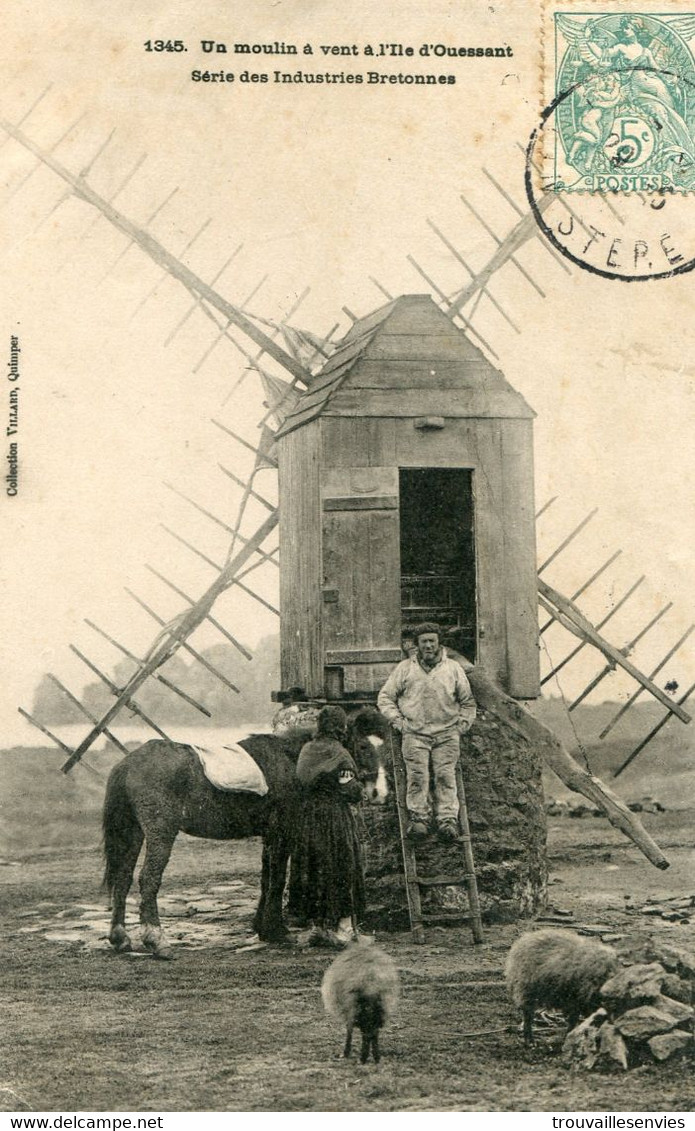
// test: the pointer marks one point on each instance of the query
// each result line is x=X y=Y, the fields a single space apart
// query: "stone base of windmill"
x=502 y=780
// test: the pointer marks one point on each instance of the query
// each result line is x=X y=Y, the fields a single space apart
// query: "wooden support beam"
x=484 y=289
x=387 y=295
x=189 y=545
x=119 y=189
x=327 y=340
x=610 y=667
x=196 y=305
x=223 y=332
x=44 y=730
x=156 y=675
x=257 y=451
x=201 y=509
x=131 y=243
x=216 y=565
x=570 y=538
x=558 y=617
x=87 y=714
x=44 y=219
x=443 y=298
x=240 y=482
x=251 y=568
x=27 y=113
x=583 y=588
x=59 y=743
x=84 y=173
x=512 y=204
x=215 y=623
x=549 y=196
x=500 y=243
x=275 y=329
x=160 y=255
x=127 y=702
x=219 y=521
x=491 y=698
x=574 y=620
x=254 y=291
x=545 y=506
x=165 y=273
x=37 y=164
x=652 y=734
x=526 y=229
x=185 y=645
x=662 y=664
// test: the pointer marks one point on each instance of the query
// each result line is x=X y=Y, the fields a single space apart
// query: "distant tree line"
x=255 y=679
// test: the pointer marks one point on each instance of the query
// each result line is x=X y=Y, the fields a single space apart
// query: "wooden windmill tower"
x=406 y=494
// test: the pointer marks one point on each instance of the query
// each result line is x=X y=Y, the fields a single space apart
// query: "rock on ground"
x=644 y=1021
x=666 y=1045
x=612 y=1047
x=633 y=985
x=581 y=1046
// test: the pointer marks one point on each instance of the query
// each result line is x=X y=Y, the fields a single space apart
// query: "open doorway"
x=437 y=535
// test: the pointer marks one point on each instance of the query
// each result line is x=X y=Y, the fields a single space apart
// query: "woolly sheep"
x=558 y=970
x=361 y=988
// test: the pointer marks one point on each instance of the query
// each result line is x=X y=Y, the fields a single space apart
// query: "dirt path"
x=226 y=1028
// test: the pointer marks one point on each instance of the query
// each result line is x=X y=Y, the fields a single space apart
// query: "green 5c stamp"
x=624 y=93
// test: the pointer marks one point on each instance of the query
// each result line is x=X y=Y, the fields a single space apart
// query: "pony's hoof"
x=152 y=940
x=284 y=942
x=120 y=941
x=163 y=954
x=279 y=937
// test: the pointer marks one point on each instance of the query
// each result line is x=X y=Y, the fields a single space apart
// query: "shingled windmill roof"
x=409 y=344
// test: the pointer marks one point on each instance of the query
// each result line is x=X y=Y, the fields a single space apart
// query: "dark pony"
x=160 y=790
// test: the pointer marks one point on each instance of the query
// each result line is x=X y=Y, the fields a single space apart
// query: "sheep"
x=557 y=970
x=361 y=987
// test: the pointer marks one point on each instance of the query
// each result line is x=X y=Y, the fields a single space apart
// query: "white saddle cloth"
x=231 y=768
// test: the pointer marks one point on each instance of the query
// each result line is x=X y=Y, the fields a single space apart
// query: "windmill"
x=287 y=362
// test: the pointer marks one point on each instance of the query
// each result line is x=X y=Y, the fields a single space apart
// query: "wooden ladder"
x=413 y=882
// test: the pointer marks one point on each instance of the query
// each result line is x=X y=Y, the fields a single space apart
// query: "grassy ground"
x=225 y=1029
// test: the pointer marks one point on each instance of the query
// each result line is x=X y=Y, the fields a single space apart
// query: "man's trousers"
x=443 y=749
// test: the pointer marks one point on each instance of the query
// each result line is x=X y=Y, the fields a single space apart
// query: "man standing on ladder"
x=428 y=699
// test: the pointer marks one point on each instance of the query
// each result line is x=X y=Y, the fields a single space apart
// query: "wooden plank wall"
x=301 y=645
x=500 y=454
x=361 y=562
x=520 y=558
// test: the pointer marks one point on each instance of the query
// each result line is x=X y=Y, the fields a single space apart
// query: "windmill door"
x=438 y=554
x=361 y=578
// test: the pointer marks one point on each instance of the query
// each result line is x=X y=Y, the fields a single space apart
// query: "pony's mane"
x=294 y=739
x=368 y=720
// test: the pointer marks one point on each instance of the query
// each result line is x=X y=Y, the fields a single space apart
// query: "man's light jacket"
x=427 y=701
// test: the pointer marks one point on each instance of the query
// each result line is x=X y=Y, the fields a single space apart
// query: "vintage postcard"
x=348 y=575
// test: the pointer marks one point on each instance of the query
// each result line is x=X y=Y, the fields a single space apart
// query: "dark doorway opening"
x=438 y=552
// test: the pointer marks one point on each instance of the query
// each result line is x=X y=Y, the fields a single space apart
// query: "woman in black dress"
x=328 y=869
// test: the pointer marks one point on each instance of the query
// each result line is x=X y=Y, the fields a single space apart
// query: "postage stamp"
x=623 y=88
x=610 y=173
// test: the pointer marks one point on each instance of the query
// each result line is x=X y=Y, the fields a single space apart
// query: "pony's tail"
x=118 y=823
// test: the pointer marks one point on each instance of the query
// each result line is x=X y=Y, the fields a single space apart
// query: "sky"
x=323 y=188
